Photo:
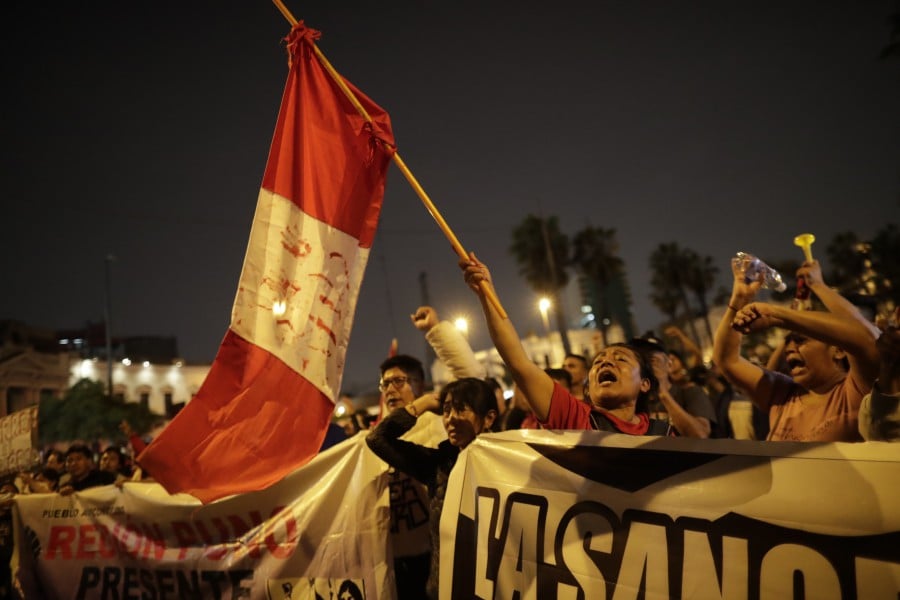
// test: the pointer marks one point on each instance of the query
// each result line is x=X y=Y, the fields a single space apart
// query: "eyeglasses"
x=397 y=382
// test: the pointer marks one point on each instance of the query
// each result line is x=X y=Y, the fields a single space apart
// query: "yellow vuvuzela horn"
x=805 y=241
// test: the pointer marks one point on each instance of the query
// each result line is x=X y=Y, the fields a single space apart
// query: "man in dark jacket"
x=82 y=472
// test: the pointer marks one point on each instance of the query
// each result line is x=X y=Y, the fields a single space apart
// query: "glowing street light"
x=462 y=325
x=544 y=305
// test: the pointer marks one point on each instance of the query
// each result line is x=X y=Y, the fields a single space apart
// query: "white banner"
x=18 y=438
x=543 y=515
x=320 y=533
x=528 y=514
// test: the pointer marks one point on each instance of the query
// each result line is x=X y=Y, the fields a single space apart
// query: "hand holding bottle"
x=749 y=268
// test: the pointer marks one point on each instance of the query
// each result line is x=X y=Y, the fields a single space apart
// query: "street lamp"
x=462 y=325
x=544 y=305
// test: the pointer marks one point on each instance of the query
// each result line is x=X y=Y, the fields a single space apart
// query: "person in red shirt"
x=618 y=382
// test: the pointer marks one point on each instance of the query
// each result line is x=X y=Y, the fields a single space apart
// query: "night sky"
x=142 y=129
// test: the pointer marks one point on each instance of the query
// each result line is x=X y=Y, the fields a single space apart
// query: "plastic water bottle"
x=752 y=269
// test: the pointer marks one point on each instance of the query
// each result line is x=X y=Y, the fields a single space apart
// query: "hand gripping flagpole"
x=432 y=209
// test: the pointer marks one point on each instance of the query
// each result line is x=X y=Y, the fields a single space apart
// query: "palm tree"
x=542 y=252
x=700 y=279
x=665 y=298
x=669 y=267
x=594 y=256
x=846 y=260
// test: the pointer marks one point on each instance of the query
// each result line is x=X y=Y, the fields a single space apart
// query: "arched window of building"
x=144 y=396
x=169 y=400
x=119 y=392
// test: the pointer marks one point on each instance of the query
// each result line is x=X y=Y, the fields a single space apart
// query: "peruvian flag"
x=266 y=403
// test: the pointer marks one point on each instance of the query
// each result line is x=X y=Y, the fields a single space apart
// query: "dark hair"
x=51 y=475
x=677 y=355
x=59 y=455
x=469 y=392
x=647 y=344
x=495 y=385
x=560 y=375
x=80 y=449
x=642 y=405
x=349 y=589
x=408 y=364
x=123 y=461
x=583 y=359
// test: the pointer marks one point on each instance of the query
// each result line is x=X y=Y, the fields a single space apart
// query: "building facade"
x=38 y=363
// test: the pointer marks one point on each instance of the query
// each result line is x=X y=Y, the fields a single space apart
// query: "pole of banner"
x=429 y=205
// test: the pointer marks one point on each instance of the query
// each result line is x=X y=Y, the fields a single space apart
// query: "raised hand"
x=474 y=272
x=755 y=316
x=811 y=272
x=424 y=318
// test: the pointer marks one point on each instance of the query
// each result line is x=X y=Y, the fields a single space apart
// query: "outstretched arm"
x=531 y=379
x=692 y=352
x=450 y=346
x=847 y=332
x=727 y=348
x=414 y=460
x=688 y=425
x=811 y=272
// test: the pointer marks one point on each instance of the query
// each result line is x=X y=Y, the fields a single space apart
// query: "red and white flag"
x=266 y=403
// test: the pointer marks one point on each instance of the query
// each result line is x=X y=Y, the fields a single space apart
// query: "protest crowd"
x=835 y=377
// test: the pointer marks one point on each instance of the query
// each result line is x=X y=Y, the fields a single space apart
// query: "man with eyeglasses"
x=402 y=381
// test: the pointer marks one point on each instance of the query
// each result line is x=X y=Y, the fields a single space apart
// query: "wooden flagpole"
x=429 y=205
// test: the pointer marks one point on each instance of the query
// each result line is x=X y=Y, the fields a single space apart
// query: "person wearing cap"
x=684 y=405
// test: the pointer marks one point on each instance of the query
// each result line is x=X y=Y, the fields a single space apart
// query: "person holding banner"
x=402 y=381
x=618 y=385
x=469 y=407
x=45 y=481
x=82 y=471
x=832 y=359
